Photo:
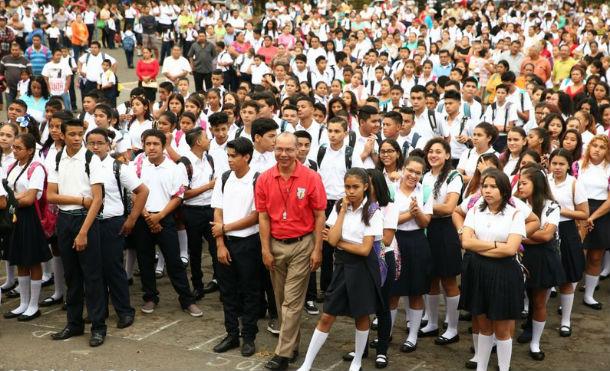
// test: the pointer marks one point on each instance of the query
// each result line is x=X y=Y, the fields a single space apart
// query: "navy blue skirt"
x=599 y=237
x=445 y=247
x=572 y=255
x=543 y=265
x=29 y=245
x=416 y=264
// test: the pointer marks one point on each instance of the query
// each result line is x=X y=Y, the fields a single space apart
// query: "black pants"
x=200 y=79
x=267 y=298
x=167 y=240
x=186 y=48
x=91 y=29
x=87 y=87
x=312 y=288
x=241 y=278
x=115 y=278
x=82 y=269
x=166 y=48
x=197 y=222
x=326 y=273
x=384 y=319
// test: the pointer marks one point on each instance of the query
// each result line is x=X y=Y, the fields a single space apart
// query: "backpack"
x=128 y=43
x=349 y=151
x=427 y=190
x=8 y=216
x=494 y=106
x=432 y=120
x=225 y=176
x=312 y=165
x=406 y=144
x=378 y=248
x=88 y=157
x=116 y=169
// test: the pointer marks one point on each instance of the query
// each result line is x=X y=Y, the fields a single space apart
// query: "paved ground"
x=171 y=340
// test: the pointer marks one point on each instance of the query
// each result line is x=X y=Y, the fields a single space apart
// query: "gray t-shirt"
x=202 y=57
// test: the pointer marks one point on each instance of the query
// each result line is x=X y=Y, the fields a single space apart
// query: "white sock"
x=475 y=345
x=130 y=262
x=567 y=300
x=426 y=316
x=590 y=284
x=59 y=281
x=393 y=314
x=35 y=286
x=10 y=275
x=46 y=271
x=537 y=328
x=405 y=302
x=432 y=313
x=415 y=316
x=183 y=241
x=504 y=350
x=24 y=294
x=160 y=263
x=361 y=338
x=484 y=351
x=453 y=316
x=606 y=264
x=317 y=340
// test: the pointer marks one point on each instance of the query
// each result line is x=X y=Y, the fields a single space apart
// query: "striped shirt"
x=38 y=58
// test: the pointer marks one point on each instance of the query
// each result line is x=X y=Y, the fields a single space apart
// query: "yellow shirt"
x=561 y=70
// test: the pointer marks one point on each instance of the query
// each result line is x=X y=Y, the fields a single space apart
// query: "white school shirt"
x=262 y=162
x=455 y=186
x=135 y=132
x=258 y=72
x=511 y=164
x=23 y=183
x=92 y=65
x=354 y=230
x=550 y=214
x=332 y=170
x=53 y=32
x=202 y=174
x=72 y=180
x=458 y=148
x=595 y=180
x=5 y=162
x=495 y=227
x=236 y=202
x=164 y=181
x=317 y=138
x=404 y=201
x=113 y=204
x=497 y=117
x=468 y=160
x=175 y=66
x=568 y=193
x=390 y=221
x=368 y=162
x=423 y=126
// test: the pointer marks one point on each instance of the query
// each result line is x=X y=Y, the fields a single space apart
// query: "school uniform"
x=28 y=244
x=442 y=236
x=594 y=179
x=500 y=116
x=198 y=214
x=240 y=281
x=493 y=286
x=262 y=162
x=135 y=129
x=416 y=257
x=81 y=269
x=568 y=194
x=165 y=181
x=354 y=290
x=470 y=158
x=116 y=192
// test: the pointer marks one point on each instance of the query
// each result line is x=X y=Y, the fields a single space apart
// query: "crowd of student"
x=459 y=155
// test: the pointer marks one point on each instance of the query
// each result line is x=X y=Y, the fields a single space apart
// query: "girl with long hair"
x=516 y=143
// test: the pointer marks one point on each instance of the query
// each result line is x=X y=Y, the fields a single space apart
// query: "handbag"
x=101 y=24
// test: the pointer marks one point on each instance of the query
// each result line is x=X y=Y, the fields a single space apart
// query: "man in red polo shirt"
x=291 y=200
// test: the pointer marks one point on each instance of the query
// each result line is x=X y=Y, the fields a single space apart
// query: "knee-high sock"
x=361 y=338
x=475 y=345
x=432 y=313
x=505 y=350
x=183 y=241
x=46 y=271
x=567 y=300
x=24 y=294
x=10 y=275
x=426 y=315
x=606 y=264
x=590 y=284
x=405 y=302
x=484 y=351
x=317 y=340
x=35 y=286
x=537 y=329
x=130 y=262
x=415 y=316
x=59 y=280
x=393 y=314
x=453 y=316
x=160 y=263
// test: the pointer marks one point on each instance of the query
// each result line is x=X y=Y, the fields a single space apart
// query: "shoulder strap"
x=238 y=132
x=58 y=158
x=283 y=126
x=473 y=200
x=210 y=161
x=432 y=119
x=312 y=165
x=188 y=165
x=349 y=152
x=88 y=157
x=352 y=138
x=178 y=136
x=255 y=178
x=493 y=112
x=416 y=138
x=116 y=169
x=522 y=101
x=322 y=127
x=463 y=124
x=224 y=177
x=33 y=167
x=575 y=169
x=321 y=153
x=139 y=162
x=452 y=176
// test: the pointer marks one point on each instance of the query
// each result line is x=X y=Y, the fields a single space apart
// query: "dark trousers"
x=115 y=278
x=72 y=94
x=166 y=48
x=267 y=297
x=87 y=87
x=197 y=222
x=91 y=29
x=326 y=269
x=130 y=22
x=241 y=278
x=82 y=269
x=167 y=240
x=230 y=80
x=129 y=58
x=384 y=319
x=186 y=47
x=312 y=288
x=200 y=79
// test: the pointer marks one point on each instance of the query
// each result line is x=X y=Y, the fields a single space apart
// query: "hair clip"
x=24 y=121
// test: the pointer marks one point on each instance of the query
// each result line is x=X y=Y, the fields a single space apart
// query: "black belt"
x=78 y=212
x=197 y=206
x=235 y=238
x=290 y=241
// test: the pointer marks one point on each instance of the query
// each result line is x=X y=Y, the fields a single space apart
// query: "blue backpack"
x=128 y=43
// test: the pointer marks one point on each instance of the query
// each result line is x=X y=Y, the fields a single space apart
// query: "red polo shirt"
x=297 y=197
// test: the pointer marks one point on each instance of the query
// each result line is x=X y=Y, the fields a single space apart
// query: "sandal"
x=381 y=361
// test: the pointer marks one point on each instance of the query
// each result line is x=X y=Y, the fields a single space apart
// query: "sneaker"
x=148 y=307
x=273 y=327
x=310 y=308
x=194 y=311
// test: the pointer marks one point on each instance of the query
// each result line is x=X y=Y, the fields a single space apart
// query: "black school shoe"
x=277 y=363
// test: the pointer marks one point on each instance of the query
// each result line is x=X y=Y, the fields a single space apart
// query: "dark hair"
x=542 y=190
x=562 y=152
x=363 y=176
x=418 y=157
x=171 y=117
x=55 y=103
x=442 y=176
x=452 y=94
x=380 y=186
x=366 y=112
x=577 y=152
x=394 y=116
x=192 y=135
x=21 y=103
x=179 y=98
x=107 y=134
x=29 y=141
x=552 y=116
x=166 y=85
x=545 y=147
x=475 y=181
x=218 y=118
x=71 y=122
x=502 y=183
x=505 y=156
x=190 y=115
x=242 y=146
x=104 y=108
x=508 y=76
x=250 y=103
x=43 y=86
x=303 y=135
x=418 y=89
x=528 y=152
x=154 y=133
x=261 y=126
x=267 y=97
x=338 y=120
x=490 y=130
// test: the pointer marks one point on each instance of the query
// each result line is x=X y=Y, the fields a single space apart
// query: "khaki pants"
x=290 y=278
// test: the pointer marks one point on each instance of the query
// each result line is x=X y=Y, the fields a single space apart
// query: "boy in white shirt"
x=257 y=69
x=501 y=114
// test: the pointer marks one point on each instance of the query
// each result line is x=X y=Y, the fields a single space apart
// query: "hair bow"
x=24 y=121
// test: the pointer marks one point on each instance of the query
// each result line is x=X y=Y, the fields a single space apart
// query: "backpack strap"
x=139 y=162
x=188 y=165
x=349 y=152
x=178 y=136
x=352 y=138
x=283 y=125
x=320 y=156
x=224 y=177
x=493 y=112
x=452 y=175
x=575 y=169
x=312 y=165
x=88 y=157
x=58 y=158
x=238 y=132
x=463 y=124
x=116 y=169
x=473 y=200
x=322 y=127
x=432 y=119
x=210 y=161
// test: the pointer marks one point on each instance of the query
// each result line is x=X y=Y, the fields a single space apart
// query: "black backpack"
x=189 y=165
x=88 y=157
x=8 y=216
x=125 y=199
x=225 y=176
x=349 y=151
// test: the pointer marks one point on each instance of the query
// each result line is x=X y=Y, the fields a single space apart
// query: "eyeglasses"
x=18 y=148
x=387 y=151
x=284 y=150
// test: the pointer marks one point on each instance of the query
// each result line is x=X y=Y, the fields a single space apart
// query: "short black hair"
x=242 y=146
x=261 y=126
x=452 y=94
x=418 y=89
x=508 y=76
x=71 y=122
x=366 y=112
x=218 y=118
x=302 y=134
x=55 y=102
x=394 y=116
x=154 y=133
x=192 y=135
x=265 y=96
x=166 y=85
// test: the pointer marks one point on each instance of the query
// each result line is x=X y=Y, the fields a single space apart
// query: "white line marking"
x=419 y=365
x=142 y=337
x=334 y=365
x=207 y=342
x=52 y=310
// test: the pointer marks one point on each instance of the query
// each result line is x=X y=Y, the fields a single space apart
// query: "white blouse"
x=403 y=201
x=354 y=230
x=595 y=180
x=488 y=226
x=568 y=193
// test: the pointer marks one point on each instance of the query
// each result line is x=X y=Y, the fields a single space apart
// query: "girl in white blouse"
x=355 y=224
x=483 y=137
x=572 y=197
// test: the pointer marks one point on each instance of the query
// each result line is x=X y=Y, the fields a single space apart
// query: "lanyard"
x=285 y=199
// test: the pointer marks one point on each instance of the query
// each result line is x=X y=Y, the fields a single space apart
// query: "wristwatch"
x=460 y=231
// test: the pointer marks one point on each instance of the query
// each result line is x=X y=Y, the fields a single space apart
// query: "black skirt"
x=29 y=245
x=354 y=289
x=445 y=248
x=493 y=287
x=572 y=255
x=416 y=264
x=599 y=237
x=543 y=265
